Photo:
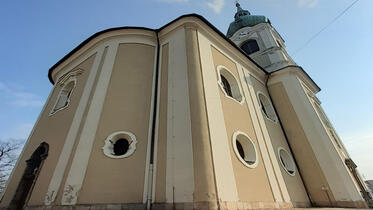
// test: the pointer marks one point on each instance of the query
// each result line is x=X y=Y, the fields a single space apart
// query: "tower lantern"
x=255 y=35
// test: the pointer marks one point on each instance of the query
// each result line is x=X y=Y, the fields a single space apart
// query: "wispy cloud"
x=20 y=98
x=216 y=5
x=307 y=3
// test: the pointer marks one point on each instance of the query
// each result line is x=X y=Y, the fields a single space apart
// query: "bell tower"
x=255 y=35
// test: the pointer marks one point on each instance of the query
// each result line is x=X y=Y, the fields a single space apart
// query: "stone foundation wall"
x=192 y=206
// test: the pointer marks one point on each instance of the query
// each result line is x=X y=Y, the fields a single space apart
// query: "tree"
x=9 y=151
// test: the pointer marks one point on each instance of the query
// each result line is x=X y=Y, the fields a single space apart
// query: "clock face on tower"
x=243 y=33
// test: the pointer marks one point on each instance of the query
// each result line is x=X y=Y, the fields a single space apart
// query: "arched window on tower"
x=250 y=46
x=64 y=96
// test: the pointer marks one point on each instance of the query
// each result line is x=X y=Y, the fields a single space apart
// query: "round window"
x=286 y=161
x=120 y=144
x=245 y=149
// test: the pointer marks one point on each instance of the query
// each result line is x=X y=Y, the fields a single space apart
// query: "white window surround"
x=233 y=81
x=247 y=145
x=112 y=138
x=286 y=161
x=271 y=113
x=63 y=87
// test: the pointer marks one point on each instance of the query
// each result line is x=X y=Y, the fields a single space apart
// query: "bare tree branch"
x=9 y=152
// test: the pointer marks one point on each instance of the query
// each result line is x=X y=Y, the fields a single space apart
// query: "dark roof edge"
x=85 y=42
x=301 y=70
x=149 y=29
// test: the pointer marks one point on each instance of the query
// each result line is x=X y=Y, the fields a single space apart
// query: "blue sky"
x=36 y=34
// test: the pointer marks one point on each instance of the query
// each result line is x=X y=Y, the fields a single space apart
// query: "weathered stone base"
x=343 y=204
x=170 y=206
x=220 y=206
x=195 y=206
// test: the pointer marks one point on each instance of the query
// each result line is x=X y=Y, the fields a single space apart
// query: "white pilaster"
x=80 y=161
x=180 y=170
x=225 y=180
x=58 y=173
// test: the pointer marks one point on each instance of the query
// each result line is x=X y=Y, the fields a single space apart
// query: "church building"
x=184 y=117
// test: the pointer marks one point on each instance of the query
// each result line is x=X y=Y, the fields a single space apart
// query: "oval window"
x=245 y=149
x=267 y=107
x=120 y=144
x=286 y=161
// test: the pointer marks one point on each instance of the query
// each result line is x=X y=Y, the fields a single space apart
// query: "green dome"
x=243 y=18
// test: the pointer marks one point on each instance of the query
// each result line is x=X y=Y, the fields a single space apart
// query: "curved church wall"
x=53 y=130
x=126 y=108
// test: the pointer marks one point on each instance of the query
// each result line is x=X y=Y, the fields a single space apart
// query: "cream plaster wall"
x=57 y=127
x=121 y=179
x=204 y=182
x=294 y=184
x=237 y=118
x=302 y=125
x=223 y=168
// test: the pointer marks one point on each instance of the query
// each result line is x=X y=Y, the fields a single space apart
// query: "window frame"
x=279 y=149
x=234 y=139
x=112 y=138
x=248 y=40
x=233 y=88
x=62 y=88
x=266 y=111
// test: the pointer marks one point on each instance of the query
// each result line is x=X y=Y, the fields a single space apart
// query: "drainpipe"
x=287 y=140
x=149 y=199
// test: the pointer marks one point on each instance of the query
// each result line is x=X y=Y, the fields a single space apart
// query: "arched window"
x=245 y=149
x=229 y=84
x=250 y=46
x=286 y=161
x=64 y=96
x=32 y=170
x=267 y=107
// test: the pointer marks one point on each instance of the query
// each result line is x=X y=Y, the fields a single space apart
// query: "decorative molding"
x=83 y=150
x=67 y=81
x=64 y=78
x=49 y=197
x=70 y=194
x=219 y=69
x=62 y=162
x=110 y=140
